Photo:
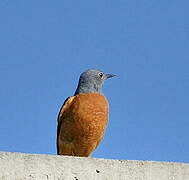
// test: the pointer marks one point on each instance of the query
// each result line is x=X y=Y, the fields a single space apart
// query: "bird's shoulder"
x=83 y=100
x=65 y=106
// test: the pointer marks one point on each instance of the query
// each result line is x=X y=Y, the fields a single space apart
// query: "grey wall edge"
x=21 y=166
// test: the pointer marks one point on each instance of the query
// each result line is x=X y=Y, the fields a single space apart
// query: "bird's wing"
x=65 y=105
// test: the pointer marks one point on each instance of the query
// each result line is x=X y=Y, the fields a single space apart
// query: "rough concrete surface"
x=20 y=166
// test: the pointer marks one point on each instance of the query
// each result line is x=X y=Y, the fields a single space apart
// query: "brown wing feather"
x=61 y=112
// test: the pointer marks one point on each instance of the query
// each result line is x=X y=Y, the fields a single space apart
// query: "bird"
x=83 y=117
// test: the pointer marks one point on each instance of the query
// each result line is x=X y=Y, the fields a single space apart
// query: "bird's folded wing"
x=65 y=105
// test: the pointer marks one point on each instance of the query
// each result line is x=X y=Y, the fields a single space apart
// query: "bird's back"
x=82 y=122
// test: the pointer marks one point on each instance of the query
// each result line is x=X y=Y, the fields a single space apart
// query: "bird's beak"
x=110 y=75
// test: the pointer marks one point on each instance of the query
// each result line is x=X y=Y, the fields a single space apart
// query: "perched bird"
x=83 y=117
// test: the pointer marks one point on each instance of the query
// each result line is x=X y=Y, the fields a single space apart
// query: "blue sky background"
x=45 y=45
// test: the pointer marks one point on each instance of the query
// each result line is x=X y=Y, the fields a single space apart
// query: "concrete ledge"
x=20 y=166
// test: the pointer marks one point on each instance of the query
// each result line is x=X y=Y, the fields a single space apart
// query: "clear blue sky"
x=45 y=45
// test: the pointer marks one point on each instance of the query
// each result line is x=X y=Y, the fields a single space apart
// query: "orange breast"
x=83 y=124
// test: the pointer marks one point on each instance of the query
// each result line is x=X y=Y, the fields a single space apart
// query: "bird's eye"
x=100 y=75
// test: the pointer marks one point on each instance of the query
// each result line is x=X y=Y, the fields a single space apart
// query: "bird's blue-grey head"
x=91 y=81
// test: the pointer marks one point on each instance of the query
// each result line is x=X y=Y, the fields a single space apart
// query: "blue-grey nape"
x=91 y=81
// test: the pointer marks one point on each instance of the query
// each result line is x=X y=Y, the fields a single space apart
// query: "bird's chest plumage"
x=89 y=115
x=83 y=122
x=83 y=117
